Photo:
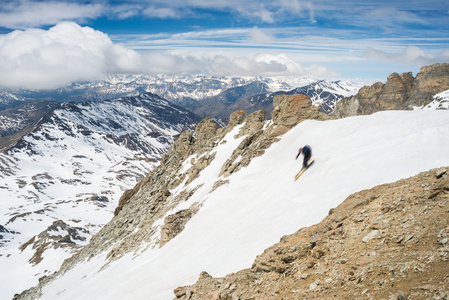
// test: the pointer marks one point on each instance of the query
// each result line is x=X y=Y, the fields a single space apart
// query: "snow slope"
x=262 y=202
x=440 y=101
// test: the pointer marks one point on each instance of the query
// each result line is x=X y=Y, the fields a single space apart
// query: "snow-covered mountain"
x=258 y=95
x=62 y=180
x=186 y=91
x=216 y=209
x=326 y=94
x=178 y=89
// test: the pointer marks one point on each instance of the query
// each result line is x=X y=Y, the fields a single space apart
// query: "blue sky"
x=64 y=41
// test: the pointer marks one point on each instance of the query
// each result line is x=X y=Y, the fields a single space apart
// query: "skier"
x=307 y=151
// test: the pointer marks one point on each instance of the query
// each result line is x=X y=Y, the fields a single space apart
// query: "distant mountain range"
x=323 y=93
x=216 y=97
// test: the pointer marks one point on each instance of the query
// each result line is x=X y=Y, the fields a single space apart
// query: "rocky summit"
x=400 y=92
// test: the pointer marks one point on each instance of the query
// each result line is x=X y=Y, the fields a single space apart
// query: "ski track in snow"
x=262 y=202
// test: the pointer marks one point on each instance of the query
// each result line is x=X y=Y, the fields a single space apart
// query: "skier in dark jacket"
x=307 y=151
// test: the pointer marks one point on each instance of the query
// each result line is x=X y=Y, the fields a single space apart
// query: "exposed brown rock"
x=175 y=223
x=400 y=92
x=292 y=109
x=52 y=238
x=237 y=117
x=205 y=134
x=388 y=242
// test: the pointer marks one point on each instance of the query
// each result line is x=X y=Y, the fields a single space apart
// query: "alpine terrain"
x=215 y=97
x=368 y=220
x=65 y=170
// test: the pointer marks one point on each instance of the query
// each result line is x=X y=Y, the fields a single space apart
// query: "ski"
x=303 y=169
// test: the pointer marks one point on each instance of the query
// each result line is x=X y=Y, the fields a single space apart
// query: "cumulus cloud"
x=410 y=55
x=67 y=52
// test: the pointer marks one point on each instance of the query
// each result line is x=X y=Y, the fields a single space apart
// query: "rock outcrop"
x=389 y=242
x=57 y=235
x=400 y=92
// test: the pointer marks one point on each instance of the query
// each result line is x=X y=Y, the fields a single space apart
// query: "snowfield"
x=262 y=202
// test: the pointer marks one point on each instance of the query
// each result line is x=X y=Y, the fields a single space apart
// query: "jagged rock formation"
x=147 y=213
x=389 y=242
x=400 y=92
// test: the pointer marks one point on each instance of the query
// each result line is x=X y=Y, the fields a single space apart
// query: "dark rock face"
x=16 y=122
x=4 y=233
x=255 y=96
x=400 y=92
x=222 y=105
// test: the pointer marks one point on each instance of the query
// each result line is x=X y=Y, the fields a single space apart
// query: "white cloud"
x=257 y=35
x=297 y=8
x=410 y=55
x=67 y=52
x=264 y=65
x=390 y=15
x=254 y=11
x=46 y=59
x=162 y=12
x=29 y=13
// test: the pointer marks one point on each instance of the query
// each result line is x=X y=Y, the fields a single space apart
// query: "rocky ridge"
x=388 y=242
x=400 y=92
x=144 y=216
